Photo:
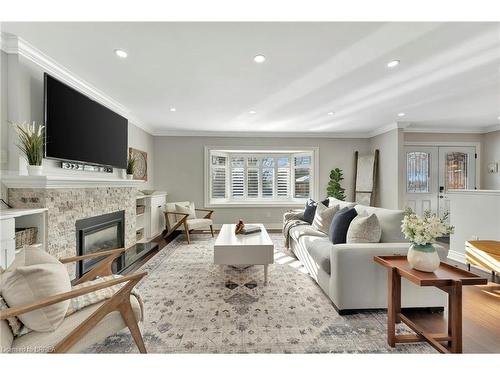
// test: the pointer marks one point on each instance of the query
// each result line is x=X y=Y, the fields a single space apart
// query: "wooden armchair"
x=173 y=222
x=88 y=323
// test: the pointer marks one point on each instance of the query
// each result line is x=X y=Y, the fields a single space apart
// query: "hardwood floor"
x=481 y=319
x=481 y=312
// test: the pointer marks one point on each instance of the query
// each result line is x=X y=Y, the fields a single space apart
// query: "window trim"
x=267 y=151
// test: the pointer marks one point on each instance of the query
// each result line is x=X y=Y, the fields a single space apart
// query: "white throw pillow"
x=185 y=210
x=31 y=283
x=364 y=229
x=323 y=217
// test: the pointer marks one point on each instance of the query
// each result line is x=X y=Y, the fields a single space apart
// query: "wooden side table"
x=447 y=278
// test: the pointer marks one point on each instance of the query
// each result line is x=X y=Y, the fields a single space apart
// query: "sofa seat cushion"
x=45 y=341
x=305 y=230
x=319 y=249
x=199 y=223
x=389 y=220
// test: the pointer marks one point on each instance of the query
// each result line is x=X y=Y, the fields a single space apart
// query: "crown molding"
x=12 y=44
x=481 y=130
x=233 y=134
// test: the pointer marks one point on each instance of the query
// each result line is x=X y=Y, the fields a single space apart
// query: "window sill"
x=257 y=204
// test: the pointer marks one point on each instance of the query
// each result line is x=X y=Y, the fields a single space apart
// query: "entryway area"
x=432 y=170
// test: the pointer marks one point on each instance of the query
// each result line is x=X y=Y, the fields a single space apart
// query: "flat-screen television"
x=80 y=129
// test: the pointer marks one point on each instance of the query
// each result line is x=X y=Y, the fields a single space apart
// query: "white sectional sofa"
x=347 y=272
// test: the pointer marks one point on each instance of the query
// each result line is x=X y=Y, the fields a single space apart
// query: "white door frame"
x=477 y=145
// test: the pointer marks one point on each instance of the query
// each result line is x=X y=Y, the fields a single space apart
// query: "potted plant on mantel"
x=31 y=145
x=422 y=233
x=130 y=168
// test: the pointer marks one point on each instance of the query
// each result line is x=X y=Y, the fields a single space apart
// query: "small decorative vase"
x=130 y=176
x=423 y=257
x=35 y=170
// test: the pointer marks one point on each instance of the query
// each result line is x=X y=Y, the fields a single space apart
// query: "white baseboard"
x=269 y=226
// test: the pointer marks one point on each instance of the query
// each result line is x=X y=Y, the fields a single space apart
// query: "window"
x=417 y=172
x=251 y=177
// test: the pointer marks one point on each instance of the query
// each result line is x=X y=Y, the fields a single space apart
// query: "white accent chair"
x=174 y=220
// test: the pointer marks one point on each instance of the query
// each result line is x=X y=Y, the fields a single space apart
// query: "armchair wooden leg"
x=212 y=230
x=186 y=231
x=129 y=318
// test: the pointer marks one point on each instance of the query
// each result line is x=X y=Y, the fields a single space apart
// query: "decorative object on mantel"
x=365 y=178
x=422 y=232
x=334 y=189
x=141 y=163
x=148 y=191
x=130 y=168
x=31 y=145
x=493 y=167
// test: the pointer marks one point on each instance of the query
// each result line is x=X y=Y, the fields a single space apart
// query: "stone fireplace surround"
x=66 y=205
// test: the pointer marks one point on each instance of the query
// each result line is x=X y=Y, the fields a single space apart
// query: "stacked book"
x=249 y=229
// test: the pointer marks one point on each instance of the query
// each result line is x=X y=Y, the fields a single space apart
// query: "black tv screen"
x=80 y=129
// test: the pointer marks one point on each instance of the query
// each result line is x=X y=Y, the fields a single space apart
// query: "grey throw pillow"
x=364 y=229
x=323 y=217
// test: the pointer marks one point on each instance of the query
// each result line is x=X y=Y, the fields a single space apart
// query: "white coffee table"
x=241 y=249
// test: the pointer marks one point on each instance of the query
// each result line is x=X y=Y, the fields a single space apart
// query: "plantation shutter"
x=252 y=177
x=218 y=171
x=237 y=177
x=283 y=177
x=302 y=175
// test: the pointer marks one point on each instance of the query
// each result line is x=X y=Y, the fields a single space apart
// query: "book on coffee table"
x=249 y=229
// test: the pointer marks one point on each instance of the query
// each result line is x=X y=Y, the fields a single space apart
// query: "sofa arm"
x=356 y=281
x=297 y=214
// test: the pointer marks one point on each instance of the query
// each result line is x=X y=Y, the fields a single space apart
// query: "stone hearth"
x=67 y=205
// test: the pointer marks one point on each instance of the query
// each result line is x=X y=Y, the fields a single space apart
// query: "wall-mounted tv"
x=80 y=129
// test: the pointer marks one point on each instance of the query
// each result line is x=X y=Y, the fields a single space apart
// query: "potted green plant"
x=334 y=189
x=31 y=145
x=422 y=233
x=130 y=168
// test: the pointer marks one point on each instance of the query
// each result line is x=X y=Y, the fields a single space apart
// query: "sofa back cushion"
x=342 y=204
x=389 y=220
x=340 y=225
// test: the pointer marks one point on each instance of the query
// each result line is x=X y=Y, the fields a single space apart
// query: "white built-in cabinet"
x=152 y=221
x=10 y=219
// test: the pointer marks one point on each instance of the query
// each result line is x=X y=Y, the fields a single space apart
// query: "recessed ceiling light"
x=401 y=114
x=393 y=63
x=259 y=59
x=252 y=112
x=173 y=109
x=498 y=117
x=331 y=113
x=121 y=53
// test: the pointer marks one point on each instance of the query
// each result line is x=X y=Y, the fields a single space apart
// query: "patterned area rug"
x=191 y=308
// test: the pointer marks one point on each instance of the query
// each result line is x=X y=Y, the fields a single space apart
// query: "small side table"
x=447 y=278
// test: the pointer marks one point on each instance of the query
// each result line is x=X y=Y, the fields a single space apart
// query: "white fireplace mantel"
x=62 y=182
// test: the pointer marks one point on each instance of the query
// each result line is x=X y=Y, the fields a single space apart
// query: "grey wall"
x=388 y=181
x=22 y=97
x=491 y=154
x=180 y=169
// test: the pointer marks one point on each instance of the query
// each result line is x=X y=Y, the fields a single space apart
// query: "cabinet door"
x=157 y=217
x=7 y=252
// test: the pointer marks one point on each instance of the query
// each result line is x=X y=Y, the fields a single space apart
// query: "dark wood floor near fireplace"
x=481 y=312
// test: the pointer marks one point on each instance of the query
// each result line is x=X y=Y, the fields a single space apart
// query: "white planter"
x=423 y=258
x=35 y=170
x=130 y=177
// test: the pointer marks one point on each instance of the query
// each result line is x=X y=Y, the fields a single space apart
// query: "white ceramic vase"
x=130 y=176
x=423 y=257
x=35 y=170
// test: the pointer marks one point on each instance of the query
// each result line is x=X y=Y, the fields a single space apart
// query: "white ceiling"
x=448 y=79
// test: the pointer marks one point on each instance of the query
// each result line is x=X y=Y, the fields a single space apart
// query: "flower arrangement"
x=31 y=142
x=424 y=230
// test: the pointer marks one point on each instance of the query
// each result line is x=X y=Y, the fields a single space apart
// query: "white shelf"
x=140 y=215
x=7 y=213
x=61 y=182
x=139 y=228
